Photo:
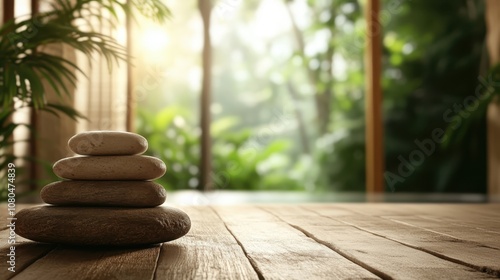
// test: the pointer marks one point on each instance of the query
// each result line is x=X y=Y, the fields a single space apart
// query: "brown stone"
x=104 y=193
x=101 y=143
x=103 y=226
x=136 y=167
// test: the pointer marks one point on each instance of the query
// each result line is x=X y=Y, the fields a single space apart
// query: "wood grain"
x=485 y=224
x=208 y=251
x=386 y=258
x=457 y=231
x=280 y=251
x=26 y=252
x=473 y=254
x=375 y=162
x=306 y=241
x=479 y=217
x=86 y=263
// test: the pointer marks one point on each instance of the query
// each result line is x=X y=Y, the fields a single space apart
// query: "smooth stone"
x=104 y=193
x=104 y=226
x=99 y=143
x=120 y=168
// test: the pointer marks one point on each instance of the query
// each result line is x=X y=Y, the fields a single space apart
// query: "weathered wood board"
x=297 y=241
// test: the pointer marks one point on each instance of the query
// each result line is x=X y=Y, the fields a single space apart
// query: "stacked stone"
x=107 y=196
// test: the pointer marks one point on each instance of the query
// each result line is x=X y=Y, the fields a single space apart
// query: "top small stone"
x=101 y=143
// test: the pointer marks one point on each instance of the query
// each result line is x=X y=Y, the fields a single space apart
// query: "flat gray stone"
x=104 y=193
x=108 y=143
x=120 y=168
x=103 y=226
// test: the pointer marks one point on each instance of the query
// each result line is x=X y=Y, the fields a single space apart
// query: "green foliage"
x=239 y=162
x=489 y=90
x=439 y=49
x=172 y=140
x=242 y=162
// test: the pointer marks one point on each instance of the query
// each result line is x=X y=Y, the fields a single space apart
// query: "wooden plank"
x=278 y=251
x=481 y=225
x=468 y=253
x=456 y=231
x=384 y=257
x=375 y=165
x=88 y=263
x=369 y=209
x=480 y=217
x=208 y=251
x=487 y=225
x=26 y=252
x=477 y=217
x=489 y=210
x=477 y=211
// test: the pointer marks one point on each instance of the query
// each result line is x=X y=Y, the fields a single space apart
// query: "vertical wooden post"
x=33 y=122
x=35 y=7
x=130 y=93
x=8 y=10
x=375 y=165
x=8 y=14
x=205 y=7
x=493 y=43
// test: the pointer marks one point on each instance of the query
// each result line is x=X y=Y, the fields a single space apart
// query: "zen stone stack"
x=107 y=196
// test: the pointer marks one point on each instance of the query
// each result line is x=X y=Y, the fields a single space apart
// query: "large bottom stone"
x=102 y=226
x=104 y=193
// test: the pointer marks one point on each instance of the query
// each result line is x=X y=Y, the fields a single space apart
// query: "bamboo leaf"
x=67 y=110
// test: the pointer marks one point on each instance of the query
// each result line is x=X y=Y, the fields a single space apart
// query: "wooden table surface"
x=301 y=241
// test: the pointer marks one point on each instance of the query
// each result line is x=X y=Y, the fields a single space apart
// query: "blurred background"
x=287 y=87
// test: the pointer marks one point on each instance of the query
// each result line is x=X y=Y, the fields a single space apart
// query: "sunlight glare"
x=154 y=39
